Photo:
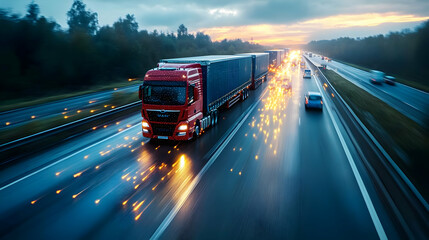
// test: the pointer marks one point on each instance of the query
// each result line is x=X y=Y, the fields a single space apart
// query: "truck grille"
x=163 y=129
x=163 y=116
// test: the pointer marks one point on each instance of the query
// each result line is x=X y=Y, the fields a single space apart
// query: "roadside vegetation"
x=38 y=57
x=401 y=54
x=406 y=141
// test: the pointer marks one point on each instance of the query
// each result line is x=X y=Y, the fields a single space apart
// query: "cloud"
x=302 y=32
x=362 y=20
x=221 y=12
x=282 y=18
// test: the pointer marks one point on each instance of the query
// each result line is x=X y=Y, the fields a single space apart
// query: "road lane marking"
x=372 y=212
x=166 y=222
x=65 y=158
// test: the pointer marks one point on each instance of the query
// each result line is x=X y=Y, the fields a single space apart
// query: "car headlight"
x=145 y=124
x=183 y=127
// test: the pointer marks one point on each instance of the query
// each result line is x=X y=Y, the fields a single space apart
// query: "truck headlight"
x=183 y=127
x=145 y=124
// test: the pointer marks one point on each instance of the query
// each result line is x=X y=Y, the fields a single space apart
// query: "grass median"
x=37 y=125
x=406 y=141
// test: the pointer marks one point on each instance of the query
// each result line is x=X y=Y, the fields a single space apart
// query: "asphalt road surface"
x=268 y=170
x=25 y=115
x=409 y=101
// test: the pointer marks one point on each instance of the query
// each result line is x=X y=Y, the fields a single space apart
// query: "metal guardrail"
x=397 y=172
x=24 y=140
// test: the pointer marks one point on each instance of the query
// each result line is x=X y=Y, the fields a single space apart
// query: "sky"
x=267 y=22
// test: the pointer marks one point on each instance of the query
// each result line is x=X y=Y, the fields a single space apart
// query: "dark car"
x=389 y=80
x=313 y=100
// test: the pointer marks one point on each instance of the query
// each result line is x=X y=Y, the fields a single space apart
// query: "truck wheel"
x=197 y=131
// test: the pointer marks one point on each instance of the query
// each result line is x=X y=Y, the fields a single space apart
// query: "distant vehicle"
x=302 y=64
x=390 y=80
x=307 y=73
x=310 y=55
x=377 y=77
x=323 y=58
x=313 y=100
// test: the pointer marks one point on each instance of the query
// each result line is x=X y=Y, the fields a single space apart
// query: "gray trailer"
x=275 y=57
x=224 y=76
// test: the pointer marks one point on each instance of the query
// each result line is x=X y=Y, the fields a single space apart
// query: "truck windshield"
x=164 y=92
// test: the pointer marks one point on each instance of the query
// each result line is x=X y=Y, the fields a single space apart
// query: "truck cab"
x=172 y=101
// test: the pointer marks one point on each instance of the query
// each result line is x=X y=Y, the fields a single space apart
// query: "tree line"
x=37 y=57
x=405 y=53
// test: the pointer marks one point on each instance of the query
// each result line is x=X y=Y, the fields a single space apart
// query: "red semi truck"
x=181 y=97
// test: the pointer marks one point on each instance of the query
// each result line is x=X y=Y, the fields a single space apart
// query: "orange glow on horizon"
x=300 y=33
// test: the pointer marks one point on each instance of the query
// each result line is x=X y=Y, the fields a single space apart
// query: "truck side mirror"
x=196 y=94
x=141 y=92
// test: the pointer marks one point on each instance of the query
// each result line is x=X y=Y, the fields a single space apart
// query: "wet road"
x=409 y=101
x=269 y=169
x=17 y=117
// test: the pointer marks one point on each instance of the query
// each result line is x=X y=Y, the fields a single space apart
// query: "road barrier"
x=9 y=148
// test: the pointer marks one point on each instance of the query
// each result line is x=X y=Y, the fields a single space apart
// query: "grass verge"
x=26 y=102
x=409 y=83
x=405 y=140
x=38 y=125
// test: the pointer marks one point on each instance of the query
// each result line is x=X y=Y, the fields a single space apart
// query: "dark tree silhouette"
x=403 y=54
x=182 y=31
x=32 y=12
x=38 y=58
x=80 y=19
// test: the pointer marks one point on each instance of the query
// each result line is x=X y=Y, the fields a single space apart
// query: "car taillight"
x=321 y=102
x=306 y=101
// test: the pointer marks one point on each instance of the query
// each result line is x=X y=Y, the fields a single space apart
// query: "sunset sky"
x=262 y=21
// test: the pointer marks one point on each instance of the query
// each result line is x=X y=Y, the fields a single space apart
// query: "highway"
x=409 y=101
x=21 y=116
x=268 y=170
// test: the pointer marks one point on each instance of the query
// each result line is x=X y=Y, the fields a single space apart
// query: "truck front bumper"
x=177 y=135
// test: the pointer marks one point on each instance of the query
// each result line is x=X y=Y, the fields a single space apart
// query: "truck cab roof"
x=175 y=72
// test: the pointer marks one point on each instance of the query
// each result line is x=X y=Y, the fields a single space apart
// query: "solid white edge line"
x=65 y=158
x=169 y=218
x=372 y=212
